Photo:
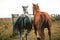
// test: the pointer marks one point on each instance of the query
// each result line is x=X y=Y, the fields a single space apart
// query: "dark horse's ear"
x=23 y=6
x=27 y=6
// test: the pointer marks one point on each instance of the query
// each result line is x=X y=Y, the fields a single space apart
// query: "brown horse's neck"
x=35 y=11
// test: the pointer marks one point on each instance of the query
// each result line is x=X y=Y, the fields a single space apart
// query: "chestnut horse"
x=41 y=20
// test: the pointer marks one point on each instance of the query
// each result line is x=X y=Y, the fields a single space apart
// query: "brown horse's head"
x=35 y=7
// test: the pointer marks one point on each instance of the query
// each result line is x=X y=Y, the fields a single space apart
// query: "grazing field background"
x=6 y=30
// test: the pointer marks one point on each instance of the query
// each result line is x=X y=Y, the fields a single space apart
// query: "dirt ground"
x=6 y=31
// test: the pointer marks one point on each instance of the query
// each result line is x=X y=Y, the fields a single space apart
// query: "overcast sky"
x=8 y=7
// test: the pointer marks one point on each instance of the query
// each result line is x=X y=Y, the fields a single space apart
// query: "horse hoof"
x=38 y=38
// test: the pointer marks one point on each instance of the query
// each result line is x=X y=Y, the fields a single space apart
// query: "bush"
x=57 y=17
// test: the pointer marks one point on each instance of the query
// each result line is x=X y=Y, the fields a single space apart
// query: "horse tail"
x=27 y=22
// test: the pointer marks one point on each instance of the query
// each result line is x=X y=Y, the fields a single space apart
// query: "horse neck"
x=36 y=12
x=25 y=12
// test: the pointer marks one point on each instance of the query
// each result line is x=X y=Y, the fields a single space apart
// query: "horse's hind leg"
x=49 y=32
x=21 y=35
x=35 y=31
x=27 y=34
x=41 y=33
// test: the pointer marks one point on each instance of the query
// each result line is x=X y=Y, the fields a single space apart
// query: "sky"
x=8 y=7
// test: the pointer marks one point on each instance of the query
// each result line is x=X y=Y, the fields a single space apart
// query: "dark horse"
x=24 y=22
x=41 y=20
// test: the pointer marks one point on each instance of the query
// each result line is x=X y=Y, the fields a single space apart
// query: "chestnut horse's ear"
x=33 y=4
x=37 y=3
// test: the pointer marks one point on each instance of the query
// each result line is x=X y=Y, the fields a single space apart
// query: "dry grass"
x=6 y=31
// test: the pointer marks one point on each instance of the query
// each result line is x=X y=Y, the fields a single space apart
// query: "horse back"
x=38 y=18
x=46 y=15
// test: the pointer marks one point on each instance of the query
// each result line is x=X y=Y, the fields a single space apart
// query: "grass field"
x=6 y=30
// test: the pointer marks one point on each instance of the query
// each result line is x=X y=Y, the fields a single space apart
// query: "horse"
x=23 y=22
x=41 y=20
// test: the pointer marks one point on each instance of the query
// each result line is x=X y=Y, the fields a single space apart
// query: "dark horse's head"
x=25 y=9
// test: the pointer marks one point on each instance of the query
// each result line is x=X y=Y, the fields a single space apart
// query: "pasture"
x=6 y=30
